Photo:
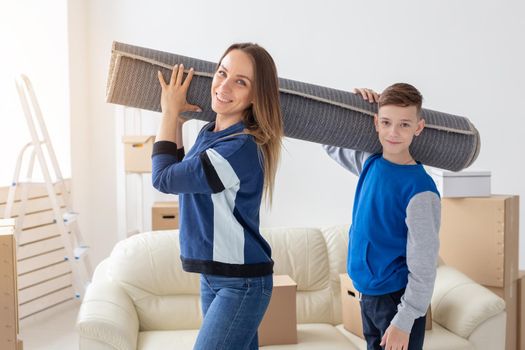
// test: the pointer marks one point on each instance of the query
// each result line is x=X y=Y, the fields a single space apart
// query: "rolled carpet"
x=310 y=112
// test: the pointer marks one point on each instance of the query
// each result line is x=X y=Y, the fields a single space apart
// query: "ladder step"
x=69 y=217
x=54 y=187
x=23 y=181
x=79 y=295
x=79 y=252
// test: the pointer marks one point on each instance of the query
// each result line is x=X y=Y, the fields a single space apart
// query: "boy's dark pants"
x=377 y=312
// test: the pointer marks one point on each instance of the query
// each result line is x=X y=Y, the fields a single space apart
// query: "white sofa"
x=141 y=299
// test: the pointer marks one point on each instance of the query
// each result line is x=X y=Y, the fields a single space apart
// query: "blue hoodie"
x=394 y=238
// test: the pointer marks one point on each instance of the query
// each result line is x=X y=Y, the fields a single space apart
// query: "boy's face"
x=396 y=127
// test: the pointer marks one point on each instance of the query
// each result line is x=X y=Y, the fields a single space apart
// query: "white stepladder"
x=64 y=217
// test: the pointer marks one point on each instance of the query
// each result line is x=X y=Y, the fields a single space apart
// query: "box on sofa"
x=352 y=309
x=279 y=324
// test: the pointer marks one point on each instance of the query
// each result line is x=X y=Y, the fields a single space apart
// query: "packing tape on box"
x=310 y=112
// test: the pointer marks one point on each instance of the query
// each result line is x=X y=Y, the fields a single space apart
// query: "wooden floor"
x=53 y=329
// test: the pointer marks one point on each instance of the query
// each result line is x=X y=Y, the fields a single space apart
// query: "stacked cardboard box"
x=44 y=277
x=279 y=325
x=479 y=237
x=352 y=321
x=137 y=153
x=165 y=216
x=8 y=288
x=521 y=311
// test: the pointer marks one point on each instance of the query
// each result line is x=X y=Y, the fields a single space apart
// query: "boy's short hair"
x=403 y=95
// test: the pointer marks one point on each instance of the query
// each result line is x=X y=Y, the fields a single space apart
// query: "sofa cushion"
x=436 y=339
x=439 y=338
x=301 y=253
x=336 y=238
x=151 y=261
x=314 y=307
x=460 y=304
x=168 y=312
x=148 y=267
x=313 y=336
x=316 y=336
x=156 y=340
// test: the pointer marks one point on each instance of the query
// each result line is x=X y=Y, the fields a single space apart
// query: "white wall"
x=33 y=35
x=465 y=56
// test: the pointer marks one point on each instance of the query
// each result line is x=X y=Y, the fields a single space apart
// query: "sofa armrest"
x=460 y=304
x=107 y=317
x=490 y=334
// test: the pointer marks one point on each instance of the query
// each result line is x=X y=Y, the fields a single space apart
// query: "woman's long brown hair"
x=264 y=121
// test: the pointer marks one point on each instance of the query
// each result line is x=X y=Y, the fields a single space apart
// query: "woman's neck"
x=224 y=122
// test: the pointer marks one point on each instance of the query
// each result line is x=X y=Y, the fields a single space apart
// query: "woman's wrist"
x=171 y=114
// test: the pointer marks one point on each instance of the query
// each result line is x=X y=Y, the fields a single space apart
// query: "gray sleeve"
x=349 y=159
x=423 y=221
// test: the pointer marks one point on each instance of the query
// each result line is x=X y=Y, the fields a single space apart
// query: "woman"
x=220 y=183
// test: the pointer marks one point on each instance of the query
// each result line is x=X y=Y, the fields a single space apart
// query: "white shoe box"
x=465 y=183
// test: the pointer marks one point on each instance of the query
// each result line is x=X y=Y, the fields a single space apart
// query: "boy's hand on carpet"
x=367 y=94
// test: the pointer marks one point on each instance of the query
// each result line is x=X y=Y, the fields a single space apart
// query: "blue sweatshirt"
x=220 y=184
x=394 y=237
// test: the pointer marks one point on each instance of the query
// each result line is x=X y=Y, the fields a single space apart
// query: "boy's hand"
x=395 y=339
x=367 y=94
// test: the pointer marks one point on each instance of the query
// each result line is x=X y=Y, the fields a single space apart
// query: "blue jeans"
x=233 y=308
x=377 y=311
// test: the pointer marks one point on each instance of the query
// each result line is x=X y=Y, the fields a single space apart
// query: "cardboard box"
x=521 y=311
x=466 y=183
x=351 y=305
x=479 y=237
x=137 y=153
x=279 y=324
x=8 y=287
x=165 y=216
x=351 y=312
x=510 y=295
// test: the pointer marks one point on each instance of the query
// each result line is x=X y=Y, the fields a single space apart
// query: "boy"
x=394 y=243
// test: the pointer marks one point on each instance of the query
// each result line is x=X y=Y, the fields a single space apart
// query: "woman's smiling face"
x=232 y=85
